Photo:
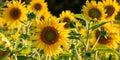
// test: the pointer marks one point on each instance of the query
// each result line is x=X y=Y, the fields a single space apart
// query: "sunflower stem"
x=80 y=57
x=49 y=57
x=95 y=56
x=87 y=38
x=15 y=57
x=81 y=40
x=83 y=43
x=87 y=33
x=119 y=54
x=119 y=30
x=46 y=58
x=96 y=42
x=77 y=50
x=38 y=54
x=27 y=28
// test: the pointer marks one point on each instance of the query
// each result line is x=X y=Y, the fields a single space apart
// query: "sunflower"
x=50 y=38
x=112 y=9
x=14 y=14
x=94 y=11
x=38 y=6
x=67 y=16
x=46 y=15
x=106 y=36
x=43 y=17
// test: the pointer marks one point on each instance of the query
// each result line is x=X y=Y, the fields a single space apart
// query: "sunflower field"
x=29 y=31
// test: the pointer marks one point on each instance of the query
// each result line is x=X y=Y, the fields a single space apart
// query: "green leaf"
x=80 y=16
x=107 y=50
x=26 y=50
x=74 y=35
x=24 y=36
x=21 y=57
x=67 y=54
x=72 y=46
x=72 y=24
x=2 y=4
x=104 y=33
x=20 y=45
x=96 y=25
x=80 y=45
x=7 y=34
x=117 y=17
x=2 y=47
x=31 y=16
x=88 y=54
x=25 y=58
x=117 y=21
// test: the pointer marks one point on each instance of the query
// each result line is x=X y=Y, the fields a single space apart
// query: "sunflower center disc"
x=37 y=6
x=66 y=19
x=49 y=35
x=42 y=17
x=15 y=13
x=94 y=13
x=109 y=10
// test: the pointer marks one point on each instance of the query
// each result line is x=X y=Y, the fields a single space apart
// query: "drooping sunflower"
x=50 y=38
x=67 y=16
x=14 y=14
x=106 y=36
x=112 y=9
x=38 y=6
x=94 y=11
